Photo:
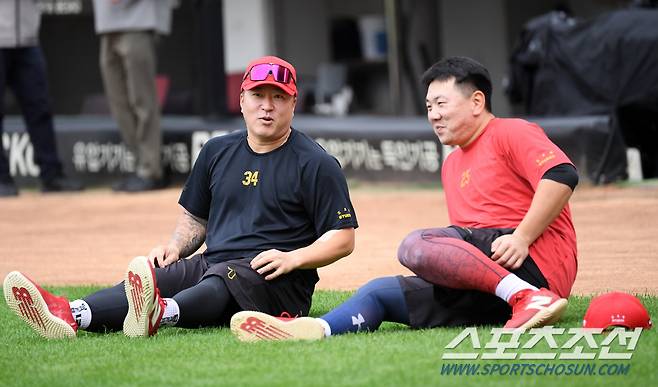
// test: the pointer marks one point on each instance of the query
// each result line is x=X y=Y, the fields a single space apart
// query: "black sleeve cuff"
x=563 y=173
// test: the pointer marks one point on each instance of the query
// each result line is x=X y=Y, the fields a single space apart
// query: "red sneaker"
x=49 y=315
x=535 y=308
x=145 y=306
x=257 y=326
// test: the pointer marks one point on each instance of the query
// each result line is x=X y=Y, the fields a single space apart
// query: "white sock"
x=81 y=313
x=510 y=285
x=325 y=325
x=171 y=313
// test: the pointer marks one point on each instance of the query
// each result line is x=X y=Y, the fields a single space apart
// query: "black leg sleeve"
x=108 y=309
x=209 y=303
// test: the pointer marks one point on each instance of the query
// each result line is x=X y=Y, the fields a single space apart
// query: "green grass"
x=393 y=356
x=645 y=183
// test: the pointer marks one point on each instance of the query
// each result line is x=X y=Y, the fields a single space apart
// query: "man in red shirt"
x=509 y=256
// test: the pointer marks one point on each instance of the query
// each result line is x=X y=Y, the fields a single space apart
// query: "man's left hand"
x=509 y=251
x=274 y=262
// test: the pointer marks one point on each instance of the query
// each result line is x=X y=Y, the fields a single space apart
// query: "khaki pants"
x=128 y=66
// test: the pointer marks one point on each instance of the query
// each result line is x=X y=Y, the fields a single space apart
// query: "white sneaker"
x=145 y=306
x=257 y=326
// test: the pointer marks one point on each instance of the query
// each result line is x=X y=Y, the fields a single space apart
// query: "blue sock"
x=379 y=300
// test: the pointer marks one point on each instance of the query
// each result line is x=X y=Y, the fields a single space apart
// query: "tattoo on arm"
x=190 y=233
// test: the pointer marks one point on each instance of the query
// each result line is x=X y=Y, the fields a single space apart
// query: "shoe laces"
x=285 y=316
x=518 y=296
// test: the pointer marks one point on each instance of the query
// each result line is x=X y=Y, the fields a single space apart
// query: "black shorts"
x=431 y=305
x=290 y=293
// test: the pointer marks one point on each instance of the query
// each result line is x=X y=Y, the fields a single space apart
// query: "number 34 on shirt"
x=250 y=177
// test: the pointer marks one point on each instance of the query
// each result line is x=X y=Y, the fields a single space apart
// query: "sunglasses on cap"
x=260 y=72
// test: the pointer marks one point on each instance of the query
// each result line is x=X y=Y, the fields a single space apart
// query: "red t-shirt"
x=490 y=184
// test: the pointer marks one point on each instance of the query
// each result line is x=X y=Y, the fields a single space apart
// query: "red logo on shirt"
x=466 y=178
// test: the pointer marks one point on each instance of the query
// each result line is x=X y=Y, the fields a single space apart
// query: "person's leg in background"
x=7 y=185
x=137 y=52
x=141 y=71
x=28 y=79
x=116 y=90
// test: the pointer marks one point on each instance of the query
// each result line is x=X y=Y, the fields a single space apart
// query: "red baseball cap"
x=290 y=87
x=616 y=309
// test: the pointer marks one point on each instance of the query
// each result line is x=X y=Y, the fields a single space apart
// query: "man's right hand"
x=163 y=256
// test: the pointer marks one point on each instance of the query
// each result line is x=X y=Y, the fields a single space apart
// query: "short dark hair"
x=467 y=73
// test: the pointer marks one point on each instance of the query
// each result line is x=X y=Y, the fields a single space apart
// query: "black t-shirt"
x=284 y=199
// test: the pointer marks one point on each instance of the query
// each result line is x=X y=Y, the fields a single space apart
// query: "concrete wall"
x=247 y=32
x=480 y=35
x=422 y=47
x=301 y=34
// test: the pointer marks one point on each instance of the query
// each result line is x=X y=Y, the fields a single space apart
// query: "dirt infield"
x=88 y=238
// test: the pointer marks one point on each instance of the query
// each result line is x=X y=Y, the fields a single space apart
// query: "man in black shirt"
x=271 y=206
